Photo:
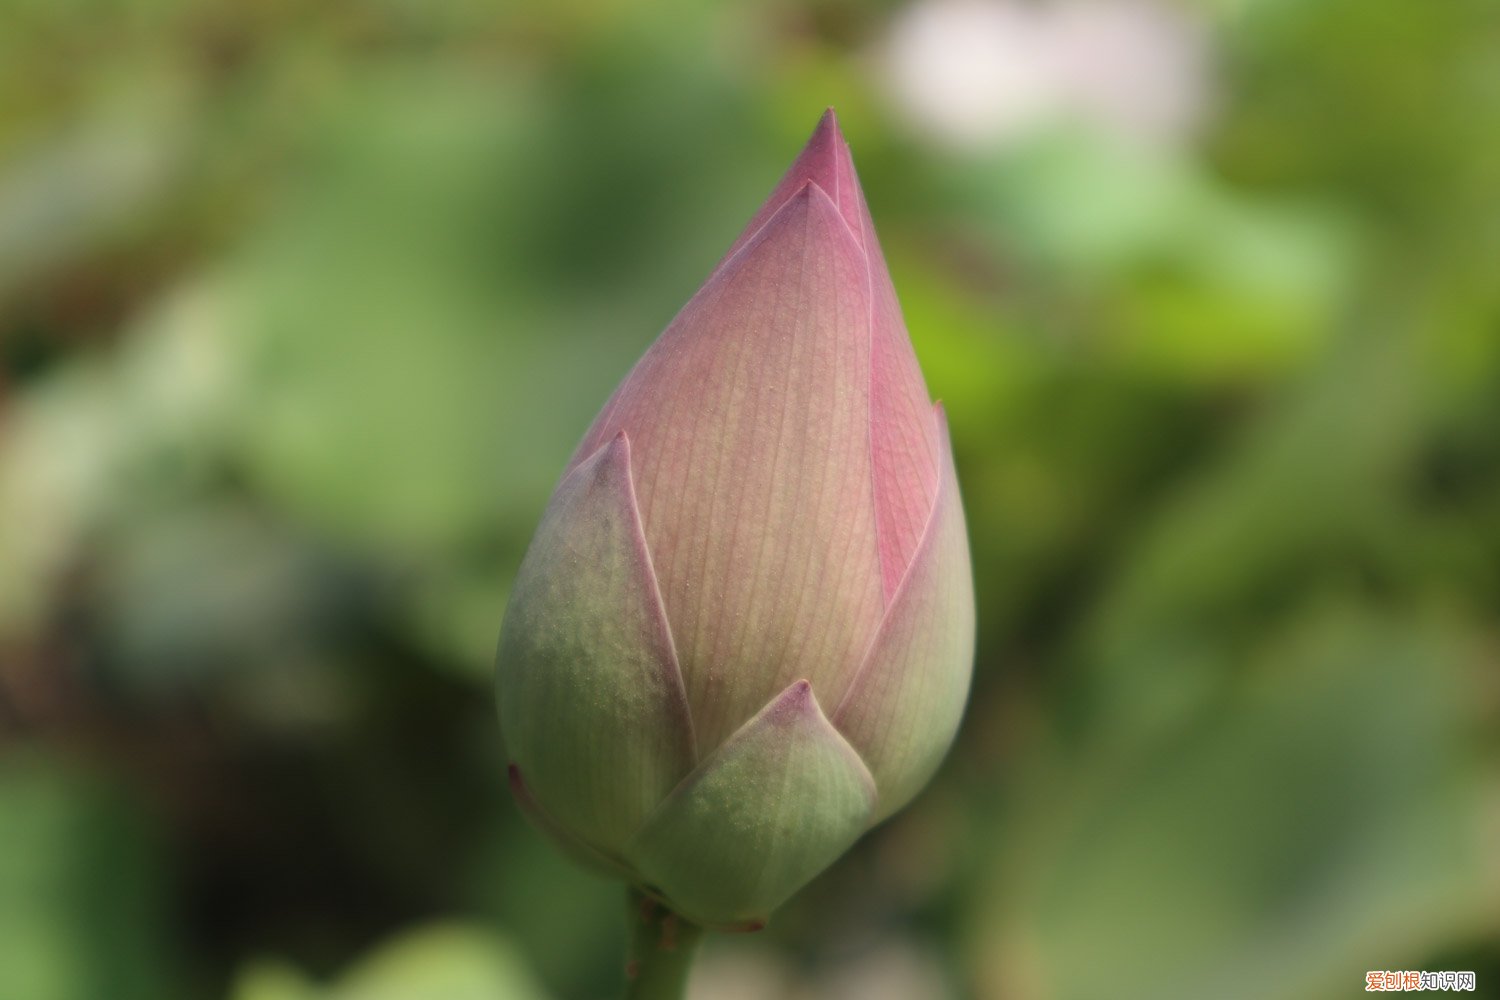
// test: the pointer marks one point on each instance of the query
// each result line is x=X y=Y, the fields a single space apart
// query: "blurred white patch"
x=70 y=440
x=897 y=970
x=985 y=73
x=736 y=971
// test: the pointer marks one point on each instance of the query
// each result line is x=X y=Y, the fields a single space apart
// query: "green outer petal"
x=570 y=845
x=770 y=809
x=592 y=707
x=905 y=704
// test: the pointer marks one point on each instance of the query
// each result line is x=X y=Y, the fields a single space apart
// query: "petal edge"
x=769 y=810
x=903 y=707
x=592 y=706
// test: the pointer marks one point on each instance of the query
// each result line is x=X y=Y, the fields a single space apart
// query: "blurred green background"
x=303 y=307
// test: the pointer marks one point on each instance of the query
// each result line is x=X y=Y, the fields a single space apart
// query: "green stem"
x=661 y=950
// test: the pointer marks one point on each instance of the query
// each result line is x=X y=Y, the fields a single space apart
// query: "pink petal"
x=749 y=419
x=904 y=706
x=825 y=161
x=903 y=448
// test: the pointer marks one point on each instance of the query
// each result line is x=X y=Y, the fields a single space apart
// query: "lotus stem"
x=662 y=945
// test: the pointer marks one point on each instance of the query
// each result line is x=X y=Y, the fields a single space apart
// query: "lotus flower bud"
x=744 y=630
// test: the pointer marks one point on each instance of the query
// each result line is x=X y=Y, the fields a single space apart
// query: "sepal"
x=770 y=809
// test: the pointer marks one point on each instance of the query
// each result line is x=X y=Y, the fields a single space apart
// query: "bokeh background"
x=303 y=307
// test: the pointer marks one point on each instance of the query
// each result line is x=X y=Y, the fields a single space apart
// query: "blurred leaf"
x=565 y=918
x=86 y=181
x=268 y=980
x=440 y=962
x=304 y=306
x=1307 y=499
x=84 y=909
x=1199 y=281
x=1326 y=820
x=103 y=438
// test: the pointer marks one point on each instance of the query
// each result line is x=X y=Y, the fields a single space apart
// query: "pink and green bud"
x=744 y=630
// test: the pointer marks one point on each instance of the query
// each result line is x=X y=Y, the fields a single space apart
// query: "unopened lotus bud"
x=744 y=630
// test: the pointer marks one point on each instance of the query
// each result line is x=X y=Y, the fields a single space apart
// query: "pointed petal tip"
x=826 y=152
x=825 y=160
x=795 y=701
x=617 y=449
x=609 y=453
x=809 y=187
x=615 y=460
x=774 y=805
x=812 y=204
x=806 y=190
